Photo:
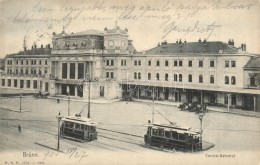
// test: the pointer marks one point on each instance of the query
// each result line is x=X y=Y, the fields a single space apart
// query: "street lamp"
x=58 y=118
x=201 y=117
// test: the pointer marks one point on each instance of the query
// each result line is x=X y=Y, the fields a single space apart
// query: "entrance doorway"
x=166 y=94
x=101 y=91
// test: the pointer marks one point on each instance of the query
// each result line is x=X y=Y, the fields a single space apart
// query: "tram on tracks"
x=173 y=137
x=78 y=128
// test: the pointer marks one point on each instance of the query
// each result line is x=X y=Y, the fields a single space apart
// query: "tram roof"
x=80 y=120
x=179 y=129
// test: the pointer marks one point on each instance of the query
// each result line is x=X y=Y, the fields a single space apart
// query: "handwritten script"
x=167 y=15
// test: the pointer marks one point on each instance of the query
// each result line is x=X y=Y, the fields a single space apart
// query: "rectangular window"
x=46 y=86
x=200 y=63
x=157 y=63
x=139 y=63
x=9 y=82
x=21 y=62
x=72 y=70
x=40 y=62
x=35 y=84
x=112 y=62
x=107 y=74
x=46 y=62
x=16 y=62
x=149 y=63
x=226 y=64
x=27 y=62
x=135 y=63
x=212 y=63
x=112 y=74
x=21 y=83
x=166 y=63
x=80 y=70
x=175 y=63
x=28 y=83
x=3 y=82
x=107 y=63
x=180 y=63
x=125 y=62
x=233 y=63
x=15 y=83
x=122 y=62
x=64 y=70
x=190 y=63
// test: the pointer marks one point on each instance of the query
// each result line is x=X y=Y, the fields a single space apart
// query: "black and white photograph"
x=129 y=82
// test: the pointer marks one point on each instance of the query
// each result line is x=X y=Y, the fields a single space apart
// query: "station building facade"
x=212 y=72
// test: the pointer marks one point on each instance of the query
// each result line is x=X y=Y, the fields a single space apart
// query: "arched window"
x=135 y=75
x=226 y=80
x=166 y=76
x=233 y=80
x=200 y=79
x=190 y=78
x=212 y=79
x=139 y=75
x=149 y=76
x=157 y=76
x=180 y=77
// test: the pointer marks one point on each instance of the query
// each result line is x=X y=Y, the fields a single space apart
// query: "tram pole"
x=69 y=106
x=59 y=118
x=201 y=117
x=20 y=103
x=88 y=95
x=153 y=106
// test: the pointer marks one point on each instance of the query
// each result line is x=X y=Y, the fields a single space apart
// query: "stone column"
x=254 y=97
x=76 y=90
x=68 y=70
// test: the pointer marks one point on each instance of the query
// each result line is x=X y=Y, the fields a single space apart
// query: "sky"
x=148 y=21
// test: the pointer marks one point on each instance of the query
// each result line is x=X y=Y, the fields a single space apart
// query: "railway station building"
x=212 y=72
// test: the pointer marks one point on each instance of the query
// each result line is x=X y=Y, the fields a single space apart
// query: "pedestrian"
x=19 y=128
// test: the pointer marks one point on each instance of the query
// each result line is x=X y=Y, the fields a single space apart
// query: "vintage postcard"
x=129 y=82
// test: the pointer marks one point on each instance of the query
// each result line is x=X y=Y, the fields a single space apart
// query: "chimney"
x=35 y=46
x=185 y=41
x=24 y=48
x=229 y=42
x=199 y=40
x=180 y=41
x=164 y=42
x=41 y=46
x=244 y=47
x=233 y=43
x=177 y=41
x=32 y=47
x=158 y=44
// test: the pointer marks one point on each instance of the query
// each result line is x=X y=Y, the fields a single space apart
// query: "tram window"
x=71 y=125
x=76 y=126
x=81 y=127
x=161 y=132
x=155 y=132
x=67 y=124
x=181 y=137
x=168 y=134
x=93 y=129
x=174 y=135
x=86 y=127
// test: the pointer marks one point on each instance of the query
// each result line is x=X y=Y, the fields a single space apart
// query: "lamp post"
x=58 y=118
x=201 y=117
x=20 y=103
x=69 y=106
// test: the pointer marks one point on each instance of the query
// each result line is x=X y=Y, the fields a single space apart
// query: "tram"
x=78 y=128
x=173 y=137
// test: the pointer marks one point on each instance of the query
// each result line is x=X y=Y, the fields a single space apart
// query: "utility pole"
x=58 y=118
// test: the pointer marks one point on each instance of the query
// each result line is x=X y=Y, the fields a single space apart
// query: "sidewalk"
x=93 y=101
x=9 y=108
x=210 y=108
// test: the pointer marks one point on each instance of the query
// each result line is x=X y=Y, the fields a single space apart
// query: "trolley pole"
x=20 y=103
x=69 y=106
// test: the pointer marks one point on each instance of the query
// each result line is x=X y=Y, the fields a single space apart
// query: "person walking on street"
x=19 y=128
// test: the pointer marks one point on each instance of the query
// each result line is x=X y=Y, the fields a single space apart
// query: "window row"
x=177 y=63
x=27 y=62
x=230 y=64
x=72 y=70
x=176 y=77
x=23 y=83
x=27 y=71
